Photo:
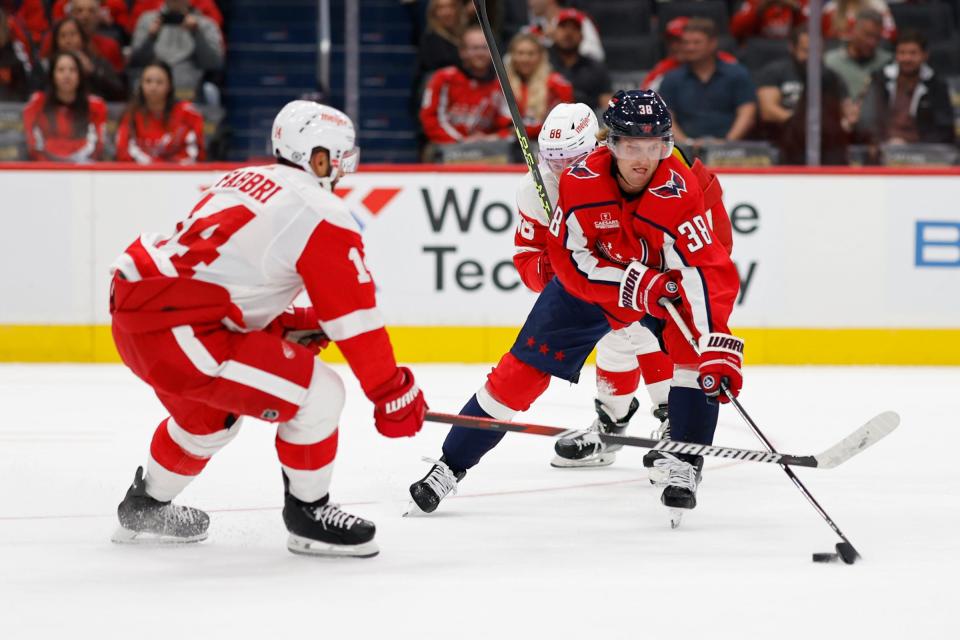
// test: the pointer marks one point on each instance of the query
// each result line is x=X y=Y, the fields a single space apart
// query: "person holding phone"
x=185 y=39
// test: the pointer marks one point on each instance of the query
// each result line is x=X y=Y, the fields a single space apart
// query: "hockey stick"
x=888 y=421
x=839 y=453
x=511 y=101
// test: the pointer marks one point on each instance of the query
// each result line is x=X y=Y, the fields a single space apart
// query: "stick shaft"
x=675 y=315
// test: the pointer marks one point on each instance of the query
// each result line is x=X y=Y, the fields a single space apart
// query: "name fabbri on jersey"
x=256 y=185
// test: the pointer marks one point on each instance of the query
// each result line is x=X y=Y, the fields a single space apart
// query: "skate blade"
x=676 y=517
x=128 y=536
x=414 y=511
x=604 y=459
x=307 y=547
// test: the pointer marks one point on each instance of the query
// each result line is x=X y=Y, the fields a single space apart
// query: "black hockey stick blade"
x=839 y=453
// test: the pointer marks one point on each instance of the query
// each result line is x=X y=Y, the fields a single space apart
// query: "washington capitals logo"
x=580 y=170
x=672 y=188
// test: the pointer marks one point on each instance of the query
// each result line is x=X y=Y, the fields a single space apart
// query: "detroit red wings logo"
x=672 y=188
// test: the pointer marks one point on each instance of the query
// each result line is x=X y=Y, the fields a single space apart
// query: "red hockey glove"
x=721 y=359
x=642 y=288
x=399 y=406
x=544 y=269
x=300 y=325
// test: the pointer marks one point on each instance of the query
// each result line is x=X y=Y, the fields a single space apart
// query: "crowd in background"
x=68 y=58
x=877 y=86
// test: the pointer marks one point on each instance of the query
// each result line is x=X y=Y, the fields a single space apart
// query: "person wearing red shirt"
x=537 y=87
x=157 y=128
x=65 y=123
x=87 y=15
x=102 y=80
x=463 y=104
x=111 y=12
x=768 y=18
x=674 y=38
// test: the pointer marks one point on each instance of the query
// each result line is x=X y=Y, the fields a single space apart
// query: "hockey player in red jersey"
x=568 y=135
x=203 y=316
x=629 y=231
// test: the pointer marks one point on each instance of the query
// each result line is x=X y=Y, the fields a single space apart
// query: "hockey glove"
x=300 y=325
x=544 y=270
x=642 y=288
x=399 y=406
x=721 y=359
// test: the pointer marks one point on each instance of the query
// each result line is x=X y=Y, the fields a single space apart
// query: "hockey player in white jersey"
x=203 y=316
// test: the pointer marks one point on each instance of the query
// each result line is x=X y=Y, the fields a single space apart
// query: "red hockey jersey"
x=456 y=106
x=597 y=229
x=144 y=139
x=57 y=138
x=253 y=242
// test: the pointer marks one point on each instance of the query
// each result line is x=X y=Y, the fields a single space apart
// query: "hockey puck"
x=825 y=557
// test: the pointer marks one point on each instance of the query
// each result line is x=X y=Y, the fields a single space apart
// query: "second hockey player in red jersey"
x=630 y=230
x=202 y=316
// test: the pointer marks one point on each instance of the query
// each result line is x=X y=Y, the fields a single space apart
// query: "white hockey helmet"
x=569 y=132
x=302 y=126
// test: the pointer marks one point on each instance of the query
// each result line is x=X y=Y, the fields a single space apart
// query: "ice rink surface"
x=524 y=551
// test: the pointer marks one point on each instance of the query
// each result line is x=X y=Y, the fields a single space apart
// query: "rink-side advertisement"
x=865 y=267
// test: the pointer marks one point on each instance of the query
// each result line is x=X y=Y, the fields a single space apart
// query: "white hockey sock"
x=659 y=392
x=616 y=406
x=162 y=484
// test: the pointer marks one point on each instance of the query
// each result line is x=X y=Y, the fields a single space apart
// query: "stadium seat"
x=716 y=9
x=627 y=80
x=634 y=53
x=619 y=18
x=945 y=57
x=756 y=53
x=930 y=155
x=934 y=20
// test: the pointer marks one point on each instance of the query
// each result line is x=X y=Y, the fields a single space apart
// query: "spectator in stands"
x=101 y=79
x=907 y=102
x=537 y=87
x=463 y=103
x=113 y=14
x=65 y=123
x=709 y=98
x=156 y=127
x=13 y=76
x=208 y=8
x=88 y=14
x=22 y=45
x=545 y=17
x=673 y=35
x=840 y=18
x=185 y=39
x=440 y=43
x=590 y=79
x=782 y=98
x=861 y=56
x=768 y=18
x=33 y=15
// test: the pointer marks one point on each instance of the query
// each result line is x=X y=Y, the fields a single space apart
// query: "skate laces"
x=441 y=478
x=330 y=515
x=679 y=473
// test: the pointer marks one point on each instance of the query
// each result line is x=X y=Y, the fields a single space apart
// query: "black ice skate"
x=683 y=473
x=657 y=477
x=146 y=520
x=433 y=487
x=321 y=528
x=584 y=448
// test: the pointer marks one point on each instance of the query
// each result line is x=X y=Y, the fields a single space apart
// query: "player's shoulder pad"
x=528 y=198
x=674 y=181
x=590 y=180
x=322 y=203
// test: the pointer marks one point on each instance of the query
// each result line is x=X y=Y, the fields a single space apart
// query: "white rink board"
x=812 y=250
